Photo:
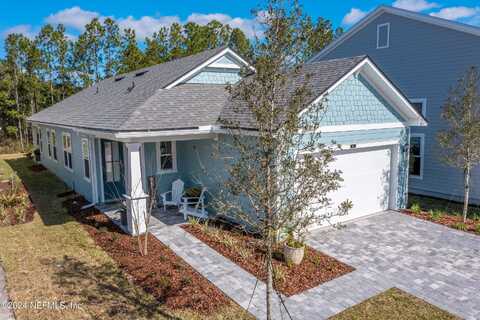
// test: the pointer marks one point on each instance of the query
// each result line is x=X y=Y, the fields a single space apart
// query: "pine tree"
x=156 y=50
x=131 y=57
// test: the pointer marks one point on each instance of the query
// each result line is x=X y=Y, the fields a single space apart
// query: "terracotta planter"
x=293 y=255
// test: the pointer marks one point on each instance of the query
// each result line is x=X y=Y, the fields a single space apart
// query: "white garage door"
x=366 y=175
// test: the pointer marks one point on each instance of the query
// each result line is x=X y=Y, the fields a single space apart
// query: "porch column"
x=136 y=197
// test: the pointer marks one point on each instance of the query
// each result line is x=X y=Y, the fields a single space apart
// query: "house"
x=164 y=121
x=425 y=56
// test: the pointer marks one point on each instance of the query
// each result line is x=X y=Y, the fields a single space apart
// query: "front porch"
x=159 y=219
x=125 y=169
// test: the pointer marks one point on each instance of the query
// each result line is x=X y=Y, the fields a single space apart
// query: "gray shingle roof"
x=114 y=104
x=119 y=106
x=322 y=75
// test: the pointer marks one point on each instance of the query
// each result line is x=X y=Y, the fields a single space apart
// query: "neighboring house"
x=425 y=56
x=164 y=120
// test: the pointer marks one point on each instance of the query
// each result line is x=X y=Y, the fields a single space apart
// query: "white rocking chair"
x=194 y=206
x=176 y=194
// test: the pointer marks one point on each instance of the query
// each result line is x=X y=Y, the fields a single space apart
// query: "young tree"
x=279 y=178
x=176 y=41
x=318 y=36
x=89 y=49
x=461 y=139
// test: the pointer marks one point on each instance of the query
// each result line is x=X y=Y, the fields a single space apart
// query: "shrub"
x=228 y=241
x=187 y=280
x=3 y=213
x=164 y=282
x=477 y=228
x=435 y=215
x=278 y=274
x=415 y=207
x=460 y=226
x=244 y=252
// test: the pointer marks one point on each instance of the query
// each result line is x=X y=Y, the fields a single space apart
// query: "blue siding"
x=355 y=101
x=75 y=178
x=425 y=61
x=362 y=136
x=216 y=77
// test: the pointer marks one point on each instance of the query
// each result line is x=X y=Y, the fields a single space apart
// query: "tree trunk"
x=17 y=104
x=269 y=275
x=467 y=192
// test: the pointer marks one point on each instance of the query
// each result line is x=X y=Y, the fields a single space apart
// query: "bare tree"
x=461 y=140
x=279 y=176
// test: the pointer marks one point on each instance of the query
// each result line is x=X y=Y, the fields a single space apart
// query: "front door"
x=113 y=170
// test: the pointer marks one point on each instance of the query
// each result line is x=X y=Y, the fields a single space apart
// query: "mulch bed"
x=161 y=273
x=315 y=269
x=11 y=218
x=66 y=194
x=450 y=221
x=37 y=168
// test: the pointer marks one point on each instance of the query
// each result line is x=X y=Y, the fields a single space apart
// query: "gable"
x=354 y=102
x=432 y=29
x=224 y=70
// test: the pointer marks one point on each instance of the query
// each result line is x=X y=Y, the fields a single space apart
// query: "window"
x=53 y=137
x=113 y=163
x=416 y=155
x=166 y=156
x=420 y=105
x=49 y=144
x=86 y=158
x=383 y=36
x=40 y=140
x=67 y=150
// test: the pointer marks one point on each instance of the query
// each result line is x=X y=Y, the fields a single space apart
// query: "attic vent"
x=141 y=73
x=119 y=78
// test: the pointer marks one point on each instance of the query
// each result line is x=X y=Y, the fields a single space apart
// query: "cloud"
x=457 y=13
x=353 y=16
x=250 y=27
x=146 y=25
x=25 y=29
x=74 y=17
x=415 y=5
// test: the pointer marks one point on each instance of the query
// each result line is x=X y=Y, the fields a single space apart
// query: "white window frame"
x=388 y=35
x=422 y=154
x=423 y=101
x=174 y=158
x=53 y=133
x=69 y=150
x=49 y=144
x=40 y=140
x=82 y=141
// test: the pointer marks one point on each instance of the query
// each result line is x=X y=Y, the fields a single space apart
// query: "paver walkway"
x=430 y=261
x=5 y=313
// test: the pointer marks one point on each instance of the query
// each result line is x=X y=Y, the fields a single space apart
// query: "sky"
x=147 y=16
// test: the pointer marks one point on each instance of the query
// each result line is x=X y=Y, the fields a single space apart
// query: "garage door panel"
x=366 y=181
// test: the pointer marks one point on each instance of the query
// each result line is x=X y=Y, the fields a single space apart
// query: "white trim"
x=48 y=133
x=358 y=127
x=388 y=35
x=422 y=154
x=69 y=150
x=399 y=12
x=354 y=146
x=394 y=172
x=102 y=190
x=82 y=140
x=174 y=157
x=193 y=72
x=94 y=181
x=423 y=101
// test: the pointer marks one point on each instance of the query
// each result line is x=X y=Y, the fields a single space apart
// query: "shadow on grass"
x=43 y=188
x=106 y=289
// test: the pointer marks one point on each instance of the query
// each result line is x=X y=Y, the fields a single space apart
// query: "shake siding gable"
x=424 y=61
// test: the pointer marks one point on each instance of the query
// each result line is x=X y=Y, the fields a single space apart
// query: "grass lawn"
x=394 y=304
x=54 y=259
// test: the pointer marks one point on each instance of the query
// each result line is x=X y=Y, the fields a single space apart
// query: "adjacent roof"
x=322 y=76
x=116 y=104
x=402 y=13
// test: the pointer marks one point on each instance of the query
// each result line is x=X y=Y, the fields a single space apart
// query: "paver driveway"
x=430 y=261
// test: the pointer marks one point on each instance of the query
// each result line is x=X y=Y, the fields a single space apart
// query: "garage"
x=367 y=180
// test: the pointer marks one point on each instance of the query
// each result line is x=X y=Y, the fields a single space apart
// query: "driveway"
x=430 y=261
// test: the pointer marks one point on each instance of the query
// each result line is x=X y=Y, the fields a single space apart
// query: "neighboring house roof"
x=323 y=77
x=115 y=104
x=402 y=13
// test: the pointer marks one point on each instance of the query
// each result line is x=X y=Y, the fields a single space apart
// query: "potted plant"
x=293 y=249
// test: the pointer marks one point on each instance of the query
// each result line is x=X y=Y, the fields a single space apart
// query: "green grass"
x=54 y=259
x=394 y=304
x=443 y=206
